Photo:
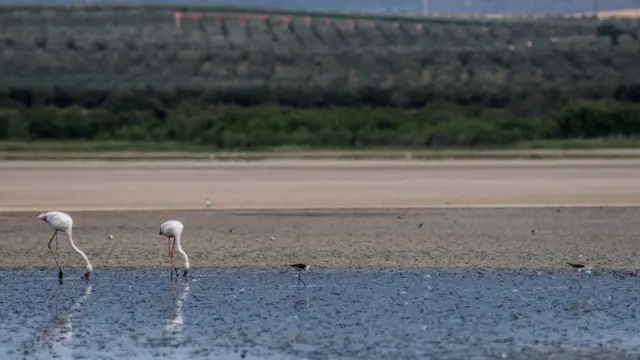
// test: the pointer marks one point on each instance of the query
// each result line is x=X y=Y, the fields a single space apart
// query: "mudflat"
x=496 y=214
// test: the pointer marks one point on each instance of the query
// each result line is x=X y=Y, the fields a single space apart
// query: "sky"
x=520 y=7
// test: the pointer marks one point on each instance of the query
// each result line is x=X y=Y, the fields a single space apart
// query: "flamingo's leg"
x=57 y=249
x=170 y=257
x=50 y=250
x=173 y=248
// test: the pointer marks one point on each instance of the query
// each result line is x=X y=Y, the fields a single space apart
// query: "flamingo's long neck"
x=184 y=254
x=78 y=250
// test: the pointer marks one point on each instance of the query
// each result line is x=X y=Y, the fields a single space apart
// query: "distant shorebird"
x=576 y=266
x=580 y=268
x=300 y=268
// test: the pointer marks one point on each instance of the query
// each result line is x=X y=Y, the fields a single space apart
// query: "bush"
x=263 y=127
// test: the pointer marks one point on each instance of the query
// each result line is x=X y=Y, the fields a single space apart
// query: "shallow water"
x=340 y=314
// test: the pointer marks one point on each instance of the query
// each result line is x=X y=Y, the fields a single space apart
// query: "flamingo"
x=173 y=229
x=60 y=221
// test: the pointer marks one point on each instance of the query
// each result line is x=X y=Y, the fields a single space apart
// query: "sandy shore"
x=453 y=235
x=295 y=184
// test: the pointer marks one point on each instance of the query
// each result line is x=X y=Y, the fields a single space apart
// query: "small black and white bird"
x=299 y=268
x=580 y=268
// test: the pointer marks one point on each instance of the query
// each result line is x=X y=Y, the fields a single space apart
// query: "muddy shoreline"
x=511 y=238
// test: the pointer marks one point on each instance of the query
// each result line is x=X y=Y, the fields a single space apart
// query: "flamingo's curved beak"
x=185 y=273
x=87 y=275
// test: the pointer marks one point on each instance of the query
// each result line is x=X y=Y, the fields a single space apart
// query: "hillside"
x=621 y=14
x=106 y=48
x=187 y=76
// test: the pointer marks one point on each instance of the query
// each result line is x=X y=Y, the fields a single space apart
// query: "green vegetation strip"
x=134 y=123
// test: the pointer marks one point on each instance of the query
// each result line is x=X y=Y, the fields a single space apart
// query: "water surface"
x=340 y=314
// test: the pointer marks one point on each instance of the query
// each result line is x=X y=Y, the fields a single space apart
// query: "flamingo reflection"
x=174 y=326
x=59 y=332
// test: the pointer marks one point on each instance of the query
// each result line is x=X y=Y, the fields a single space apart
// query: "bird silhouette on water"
x=300 y=267
x=579 y=268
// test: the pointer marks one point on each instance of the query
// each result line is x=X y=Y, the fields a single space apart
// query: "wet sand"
x=545 y=220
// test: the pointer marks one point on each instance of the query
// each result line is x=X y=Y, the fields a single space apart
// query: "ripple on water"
x=342 y=314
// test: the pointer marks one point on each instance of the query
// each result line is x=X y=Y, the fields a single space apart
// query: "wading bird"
x=173 y=229
x=60 y=221
x=299 y=268
x=580 y=268
x=576 y=266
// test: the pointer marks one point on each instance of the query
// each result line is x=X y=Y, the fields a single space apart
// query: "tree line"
x=136 y=117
